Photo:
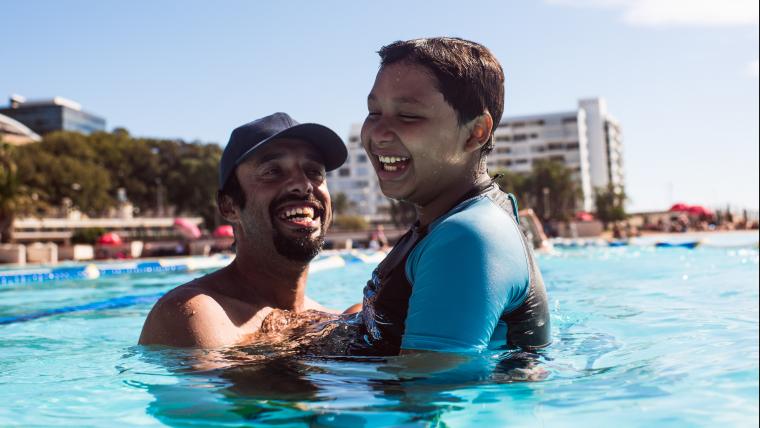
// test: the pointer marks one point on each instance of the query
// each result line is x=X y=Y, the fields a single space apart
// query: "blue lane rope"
x=114 y=303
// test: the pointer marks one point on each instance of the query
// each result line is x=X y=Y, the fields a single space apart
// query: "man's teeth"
x=298 y=212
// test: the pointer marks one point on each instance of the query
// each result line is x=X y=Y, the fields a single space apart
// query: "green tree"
x=56 y=174
x=350 y=222
x=87 y=170
x=551 y=190
x=610 y=204
x=192 y=183
x=9 y=191
x=514 y=183
x=341 y=204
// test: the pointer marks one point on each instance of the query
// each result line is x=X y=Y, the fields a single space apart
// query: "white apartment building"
x=587 y=140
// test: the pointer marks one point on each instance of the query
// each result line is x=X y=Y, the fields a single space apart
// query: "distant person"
x=464 y=274
x=377 y=239
x=272 y=189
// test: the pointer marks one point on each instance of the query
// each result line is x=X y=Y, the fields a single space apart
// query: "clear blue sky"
x=680 y=75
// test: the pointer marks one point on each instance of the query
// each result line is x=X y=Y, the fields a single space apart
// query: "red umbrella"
x=110 y=238
x=679 y=207
x=187 y=228
x=699 y=210
x=224 y=231
x=584 y=216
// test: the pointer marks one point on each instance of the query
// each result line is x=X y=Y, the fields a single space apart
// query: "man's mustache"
x=311 y=199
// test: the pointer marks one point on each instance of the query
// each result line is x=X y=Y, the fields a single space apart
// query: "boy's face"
x=412 y=135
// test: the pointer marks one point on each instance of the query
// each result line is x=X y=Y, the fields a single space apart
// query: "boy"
x=463 y=277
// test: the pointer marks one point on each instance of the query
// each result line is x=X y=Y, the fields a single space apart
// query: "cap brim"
x=327 y=143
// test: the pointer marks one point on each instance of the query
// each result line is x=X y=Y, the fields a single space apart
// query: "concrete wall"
x=13 y=253
x=42 y=253
x=76 y=252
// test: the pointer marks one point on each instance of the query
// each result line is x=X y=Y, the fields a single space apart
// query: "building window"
x=503 y=138
x=354 y=139
x=503 y=150
x=344 y=172
x=520 y=137
x=361 y=158
x=521 y=161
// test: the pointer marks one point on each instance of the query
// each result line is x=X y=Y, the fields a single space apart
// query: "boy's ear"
x=480 y=132
x=227 y=207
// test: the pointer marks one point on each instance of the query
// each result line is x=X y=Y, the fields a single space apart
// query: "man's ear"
x=480 y=132
x=227 y=208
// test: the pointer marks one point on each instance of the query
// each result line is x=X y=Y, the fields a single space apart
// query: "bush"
x=350 y=222
x=87 y=236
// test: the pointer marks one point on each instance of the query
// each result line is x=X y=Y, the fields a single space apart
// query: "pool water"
x=642 y=336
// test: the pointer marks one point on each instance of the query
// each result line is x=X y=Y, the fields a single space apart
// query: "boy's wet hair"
x=469 y=76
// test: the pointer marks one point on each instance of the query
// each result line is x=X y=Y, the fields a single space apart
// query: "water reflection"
x=270 y=385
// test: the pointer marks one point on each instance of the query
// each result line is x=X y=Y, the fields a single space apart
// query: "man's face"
x=412 y=135
x=287 y=202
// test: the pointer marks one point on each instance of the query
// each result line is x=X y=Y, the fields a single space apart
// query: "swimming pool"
x=642 y=336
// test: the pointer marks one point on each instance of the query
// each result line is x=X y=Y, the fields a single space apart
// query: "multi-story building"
x=587 y=140
x=357 y=180
x=57 y=114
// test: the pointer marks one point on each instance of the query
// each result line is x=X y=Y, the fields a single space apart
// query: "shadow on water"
x=260 y=385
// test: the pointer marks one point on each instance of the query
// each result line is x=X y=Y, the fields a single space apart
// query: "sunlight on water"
x=642 y=336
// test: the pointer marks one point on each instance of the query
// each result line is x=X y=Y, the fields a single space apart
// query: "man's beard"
x=299 y=249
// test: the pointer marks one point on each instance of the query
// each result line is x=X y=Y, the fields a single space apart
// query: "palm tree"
x=553 y=190
x=610 y=204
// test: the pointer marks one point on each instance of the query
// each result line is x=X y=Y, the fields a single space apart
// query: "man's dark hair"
x=469 y=76
x=232 y=189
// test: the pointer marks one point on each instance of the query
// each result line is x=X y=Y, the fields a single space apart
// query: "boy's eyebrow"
x=399 y=100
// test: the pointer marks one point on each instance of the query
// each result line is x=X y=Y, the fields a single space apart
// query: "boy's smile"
x=412 y=135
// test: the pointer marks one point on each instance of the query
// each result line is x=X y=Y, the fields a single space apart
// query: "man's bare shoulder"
x=190 y=315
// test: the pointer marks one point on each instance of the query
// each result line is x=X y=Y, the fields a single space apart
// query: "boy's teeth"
x=391 y=159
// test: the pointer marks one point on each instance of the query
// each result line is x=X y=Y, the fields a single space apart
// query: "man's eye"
x=271 y=172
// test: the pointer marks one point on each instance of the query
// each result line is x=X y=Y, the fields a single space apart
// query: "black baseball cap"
x=247 y=138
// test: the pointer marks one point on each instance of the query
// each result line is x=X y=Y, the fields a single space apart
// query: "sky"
x=681 y=76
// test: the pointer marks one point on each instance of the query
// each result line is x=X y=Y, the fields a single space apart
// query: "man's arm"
x=187 y=317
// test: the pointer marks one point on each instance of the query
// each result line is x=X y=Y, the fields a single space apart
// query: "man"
x=273 y=191
x=463 y=278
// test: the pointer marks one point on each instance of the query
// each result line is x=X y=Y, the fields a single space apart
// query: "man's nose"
x=299 y=183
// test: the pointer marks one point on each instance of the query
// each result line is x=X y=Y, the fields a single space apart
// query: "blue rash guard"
x=466 y=281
